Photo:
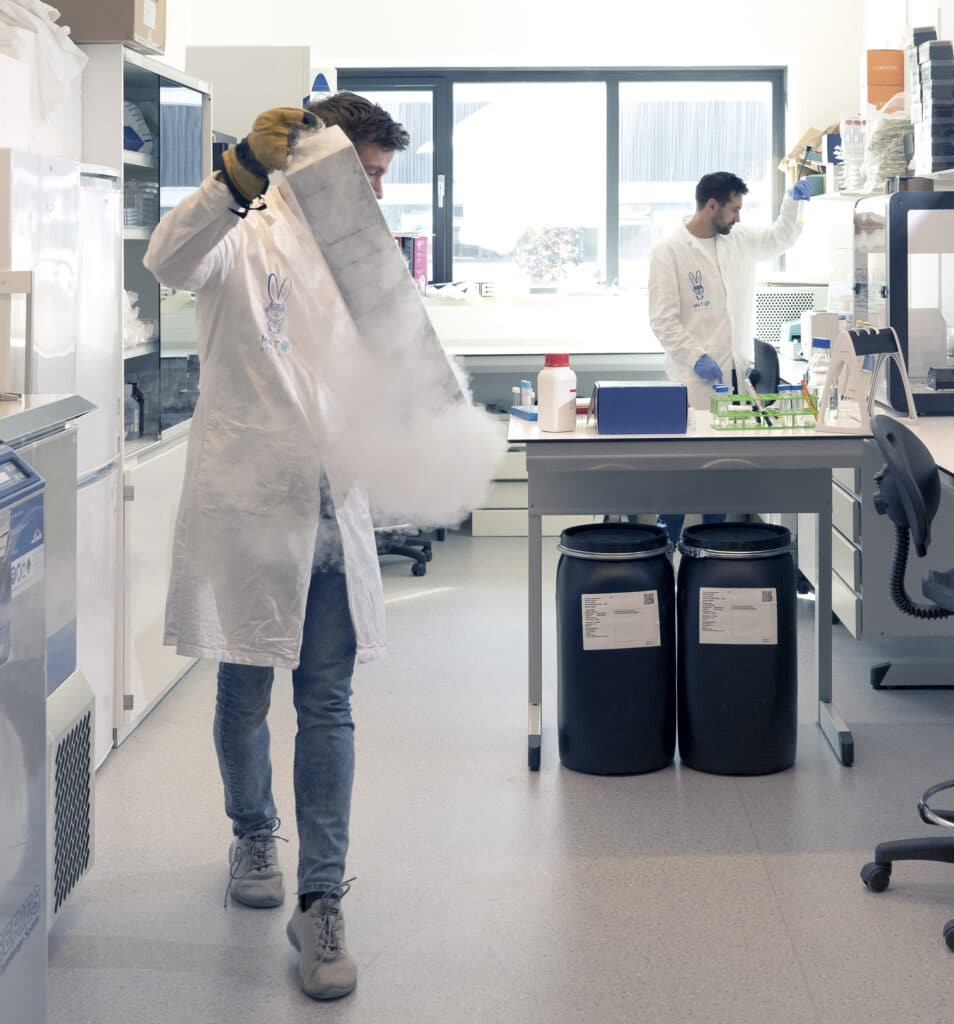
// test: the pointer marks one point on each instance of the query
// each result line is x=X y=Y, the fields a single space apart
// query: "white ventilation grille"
x=776 y=306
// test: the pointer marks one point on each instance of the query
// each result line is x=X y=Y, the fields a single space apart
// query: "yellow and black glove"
x=246 y=166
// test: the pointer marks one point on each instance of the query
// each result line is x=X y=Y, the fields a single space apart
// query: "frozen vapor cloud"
x=401 y=423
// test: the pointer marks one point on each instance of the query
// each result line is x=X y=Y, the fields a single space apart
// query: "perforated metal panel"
x=72 y=817
x=775 y=306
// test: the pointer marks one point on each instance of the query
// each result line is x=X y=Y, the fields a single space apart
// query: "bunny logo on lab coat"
x=695 y=279
x=275 y=314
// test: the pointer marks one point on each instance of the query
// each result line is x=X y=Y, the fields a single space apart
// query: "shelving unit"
x=136 y=159
x=177 y=111
x=146 y=348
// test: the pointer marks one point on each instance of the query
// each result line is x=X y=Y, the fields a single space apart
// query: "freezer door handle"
x=20 y=282
x=95 y=475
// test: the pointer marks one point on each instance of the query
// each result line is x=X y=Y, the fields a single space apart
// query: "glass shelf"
x=146 y=348
x=133 y=159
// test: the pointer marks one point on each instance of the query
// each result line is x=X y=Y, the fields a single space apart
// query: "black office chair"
x=406 y=540
x=909 y=492
x=764 y=374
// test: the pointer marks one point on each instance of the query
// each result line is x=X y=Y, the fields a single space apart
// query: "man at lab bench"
x=274 y=563
x=702 y=289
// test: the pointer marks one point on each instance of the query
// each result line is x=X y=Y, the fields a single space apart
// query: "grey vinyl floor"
x=486 y=893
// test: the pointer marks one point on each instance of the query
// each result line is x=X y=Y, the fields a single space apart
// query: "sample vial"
x=721 y=418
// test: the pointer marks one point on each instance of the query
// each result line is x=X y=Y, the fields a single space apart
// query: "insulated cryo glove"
x=708 y=369
x=246 y=166
x=801 y=190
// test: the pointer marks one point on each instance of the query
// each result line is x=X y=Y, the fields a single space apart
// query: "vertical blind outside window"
x=537 y=178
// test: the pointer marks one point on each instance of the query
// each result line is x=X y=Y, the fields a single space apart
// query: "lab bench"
x=585 y=473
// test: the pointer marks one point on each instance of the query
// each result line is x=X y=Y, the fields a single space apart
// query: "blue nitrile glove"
x=708 y=369
x=801 y=190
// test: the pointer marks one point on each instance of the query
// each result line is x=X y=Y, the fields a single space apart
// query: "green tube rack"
x=790 y=410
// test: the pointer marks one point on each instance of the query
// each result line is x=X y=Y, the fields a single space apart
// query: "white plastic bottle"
x=556 y=396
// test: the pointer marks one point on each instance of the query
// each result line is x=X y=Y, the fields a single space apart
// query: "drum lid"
x=613 y=541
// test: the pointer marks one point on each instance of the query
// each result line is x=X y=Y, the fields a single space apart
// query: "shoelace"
x=326 y=927
x=253 y=848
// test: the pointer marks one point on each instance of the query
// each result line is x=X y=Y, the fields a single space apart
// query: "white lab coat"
x=267 y=312
x=697 y=308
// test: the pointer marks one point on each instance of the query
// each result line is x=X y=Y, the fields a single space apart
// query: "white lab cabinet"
x=152 y=483
x=98 y=596
x=122 y=89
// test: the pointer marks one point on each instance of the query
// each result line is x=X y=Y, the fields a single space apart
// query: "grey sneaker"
x=255 y=878
x=326 y=969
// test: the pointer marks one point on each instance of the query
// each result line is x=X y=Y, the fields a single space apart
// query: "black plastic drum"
x=738 y=673
x=616 y=649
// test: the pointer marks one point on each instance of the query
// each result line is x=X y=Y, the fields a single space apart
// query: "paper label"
x=149 y=11
x=741 y=615
x=26 y=556
x=613 y=622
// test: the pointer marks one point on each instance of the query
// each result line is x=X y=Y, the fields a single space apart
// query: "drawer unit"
x=846 y=560
x=507 y=494
x=504 y=511
x=513 y=466
x=846 y=604
x=850 y=479
x=845 y=513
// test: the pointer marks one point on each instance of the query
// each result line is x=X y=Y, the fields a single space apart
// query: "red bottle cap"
x=558 y=360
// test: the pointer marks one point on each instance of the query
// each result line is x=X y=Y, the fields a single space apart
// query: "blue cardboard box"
x=639 y=407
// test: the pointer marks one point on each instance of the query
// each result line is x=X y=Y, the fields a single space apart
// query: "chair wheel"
x=418 y=569
x=877 y=877
x=949 y=935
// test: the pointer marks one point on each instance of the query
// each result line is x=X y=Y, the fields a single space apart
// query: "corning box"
x=884 y=67
x=639 y=407
x=140 y=24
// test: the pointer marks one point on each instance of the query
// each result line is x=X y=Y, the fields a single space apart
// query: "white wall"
x=821 y=53
x=179 y=31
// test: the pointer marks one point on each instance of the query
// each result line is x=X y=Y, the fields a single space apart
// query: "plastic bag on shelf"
x=884 y=155
x=135 y=331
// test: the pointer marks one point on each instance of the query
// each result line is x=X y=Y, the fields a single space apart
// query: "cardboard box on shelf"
x=882 y=76
x=878 y=95
x=140 y=24
x=884 y=67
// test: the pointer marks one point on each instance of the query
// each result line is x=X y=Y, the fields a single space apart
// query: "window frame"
x=441 y=81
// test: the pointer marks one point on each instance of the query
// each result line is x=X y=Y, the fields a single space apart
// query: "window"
x=546 y=178
x=527 y=212
x=407 y=203
x=671 y=133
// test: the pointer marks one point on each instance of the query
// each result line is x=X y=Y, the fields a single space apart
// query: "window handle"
x=440 y=191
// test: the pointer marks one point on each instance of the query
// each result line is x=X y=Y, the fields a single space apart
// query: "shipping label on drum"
x=613 y=622
x=741 y=615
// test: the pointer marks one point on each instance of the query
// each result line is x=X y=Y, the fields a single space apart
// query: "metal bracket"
x=20 y=282
x=129 y=492
x=128 y=701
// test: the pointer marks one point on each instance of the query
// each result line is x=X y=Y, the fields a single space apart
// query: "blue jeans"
x=324 y=744
x=673 y=523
